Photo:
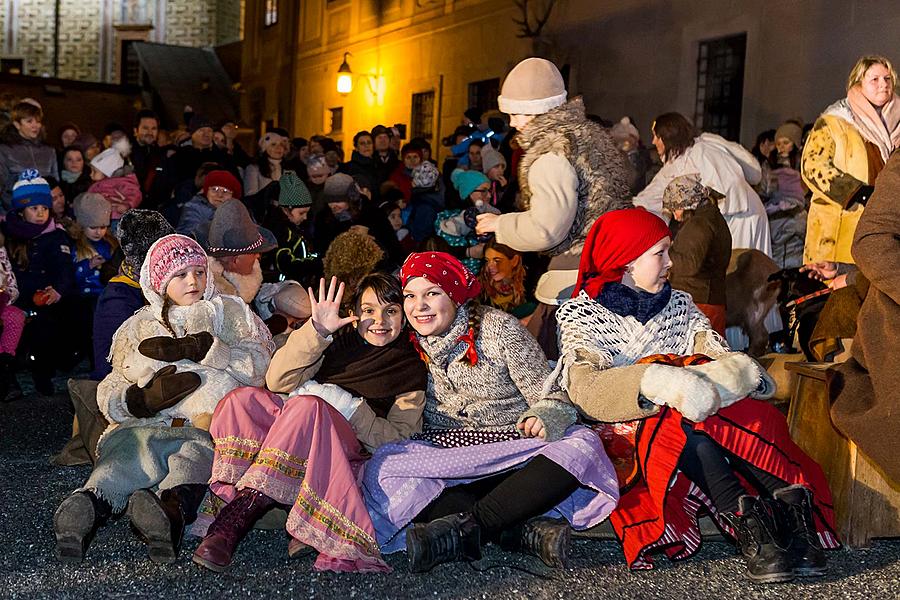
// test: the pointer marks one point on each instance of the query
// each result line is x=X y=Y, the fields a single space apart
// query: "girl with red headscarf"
x=498 y=448
x=683 y=431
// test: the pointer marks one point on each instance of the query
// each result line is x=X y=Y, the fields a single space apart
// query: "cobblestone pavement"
x=116 y=566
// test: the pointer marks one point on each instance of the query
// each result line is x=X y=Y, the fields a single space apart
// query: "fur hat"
x=791 y=131
x=292 y=191
x=232 y=232
x=533 y=87
x=137 y=230
x=224 y=179
x=92 y=210
x=466 y=182
x=340 y=187
x=31 y=190
x=425 y=175
x=169 y=255
x=350 y=257
x=108 y=162
x=490 y=158
x=624 y=129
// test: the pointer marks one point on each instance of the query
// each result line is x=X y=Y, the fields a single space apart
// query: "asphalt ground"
x=116 y=566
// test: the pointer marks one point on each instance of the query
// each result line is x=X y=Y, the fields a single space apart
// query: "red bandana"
x=451 y=276
x=616 y=239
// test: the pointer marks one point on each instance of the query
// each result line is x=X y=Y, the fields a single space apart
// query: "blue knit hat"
x=31 y=190
x=467 y=182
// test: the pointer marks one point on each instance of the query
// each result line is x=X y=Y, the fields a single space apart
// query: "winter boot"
x=548 y=539
x=761 y=538
x=451 y=538
x=160 y=520
x=806 y=550
x=216 y=550
x=75 y=522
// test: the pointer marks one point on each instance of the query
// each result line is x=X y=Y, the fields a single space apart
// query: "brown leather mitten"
x=166 y=389
x=166 y=349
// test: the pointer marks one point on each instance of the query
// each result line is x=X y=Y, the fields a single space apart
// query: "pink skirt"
x=302 y=453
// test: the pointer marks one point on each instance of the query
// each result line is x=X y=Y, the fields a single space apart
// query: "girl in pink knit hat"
x=172 y=362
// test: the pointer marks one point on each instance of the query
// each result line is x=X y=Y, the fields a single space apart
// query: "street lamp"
x=345 y=77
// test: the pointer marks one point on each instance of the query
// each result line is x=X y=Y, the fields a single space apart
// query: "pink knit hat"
x=169 y=255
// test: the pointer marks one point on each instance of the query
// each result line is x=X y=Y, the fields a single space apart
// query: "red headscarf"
x=443 y=270
x=616 y=239
x=451 y=276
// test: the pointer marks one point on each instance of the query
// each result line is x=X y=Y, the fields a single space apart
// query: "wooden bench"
x=866 y=504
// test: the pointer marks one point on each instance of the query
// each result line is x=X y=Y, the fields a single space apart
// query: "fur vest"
x=603 y=172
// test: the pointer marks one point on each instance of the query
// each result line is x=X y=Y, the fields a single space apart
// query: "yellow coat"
x=834 y=166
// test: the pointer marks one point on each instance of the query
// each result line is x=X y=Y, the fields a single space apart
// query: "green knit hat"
x=292 y=191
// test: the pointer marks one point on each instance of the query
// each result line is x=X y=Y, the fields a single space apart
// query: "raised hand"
x=326 y=309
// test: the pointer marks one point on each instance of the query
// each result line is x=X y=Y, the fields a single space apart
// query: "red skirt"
x=659 y=506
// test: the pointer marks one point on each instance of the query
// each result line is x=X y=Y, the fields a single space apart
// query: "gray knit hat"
x=137 y=230
x=92 y=210
x=292 y=192
x=340 y=187
x=490 y=158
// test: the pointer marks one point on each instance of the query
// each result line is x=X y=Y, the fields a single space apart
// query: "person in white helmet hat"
x=571 y=174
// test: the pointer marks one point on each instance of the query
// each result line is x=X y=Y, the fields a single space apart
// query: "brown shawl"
x=376 y=373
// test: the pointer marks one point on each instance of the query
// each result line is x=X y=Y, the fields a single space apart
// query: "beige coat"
x=299 y=360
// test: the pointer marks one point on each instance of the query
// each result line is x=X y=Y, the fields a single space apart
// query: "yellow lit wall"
x=413 y=49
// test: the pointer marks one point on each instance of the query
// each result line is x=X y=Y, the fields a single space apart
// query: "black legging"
x=508 y=499
x=713 y=469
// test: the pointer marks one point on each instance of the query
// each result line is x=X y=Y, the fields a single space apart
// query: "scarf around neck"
x=376 y=373
x=628 y=302
x=20 y=229
x=440 y=348
x=882 y=130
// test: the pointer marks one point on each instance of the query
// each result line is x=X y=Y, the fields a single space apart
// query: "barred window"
x=720 y=85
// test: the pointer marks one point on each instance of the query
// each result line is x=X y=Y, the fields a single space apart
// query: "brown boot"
x=160 y=520
x=216 y=550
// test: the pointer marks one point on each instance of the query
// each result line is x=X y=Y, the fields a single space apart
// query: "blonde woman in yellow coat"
x=847 y=148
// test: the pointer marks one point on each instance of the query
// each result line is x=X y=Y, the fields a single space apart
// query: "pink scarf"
x=883 y=130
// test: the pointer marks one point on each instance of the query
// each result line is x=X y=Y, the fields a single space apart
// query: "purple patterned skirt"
x=402 y=478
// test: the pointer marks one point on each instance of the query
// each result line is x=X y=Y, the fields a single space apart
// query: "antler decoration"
x=526 y=29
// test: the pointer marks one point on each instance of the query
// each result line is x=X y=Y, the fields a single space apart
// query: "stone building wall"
x=87 y=31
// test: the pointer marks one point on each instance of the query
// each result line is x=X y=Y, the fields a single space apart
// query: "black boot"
x=75 y=522
x=762 y=539
x=451 y=538
x=548 y=539
x=160 y=520
x=806 y=550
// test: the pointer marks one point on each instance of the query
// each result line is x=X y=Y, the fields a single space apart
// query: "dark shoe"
x=216 y=550
x=806 y=551
x=762 y=540
x=548 y=539
x=13 y=390
x=9 y=387
x=297 y=549
x=75 y=522
x=159 y=521
x=451 y=538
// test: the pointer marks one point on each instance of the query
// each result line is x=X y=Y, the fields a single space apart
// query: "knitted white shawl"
x=616 y=341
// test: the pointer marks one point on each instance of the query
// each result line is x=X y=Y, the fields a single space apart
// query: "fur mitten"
x=736 y=376
x=685 y=391
x=339 y=399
